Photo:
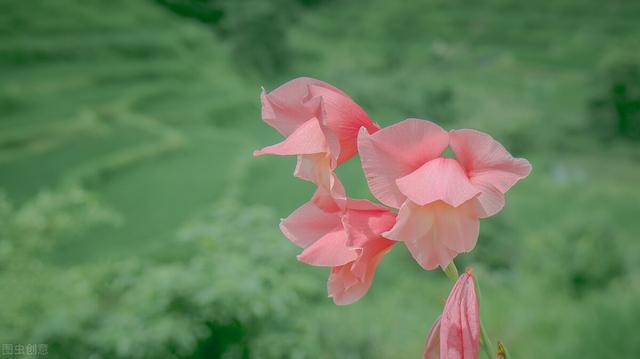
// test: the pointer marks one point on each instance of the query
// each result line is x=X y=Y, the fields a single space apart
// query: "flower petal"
x=297 y=101
x=344 y=287
x=343 y=116
x=316 y=169
x=432 y=348
x=309 y=223
x=329 y=251
x=352 y=281
x=490 y=200
x=437 y=232
x=364 y=221
x=290 y=105
x=306 y=139
x=439 y=179
x=490 y=167
x=414 y=227
x=460 y=321
x=372 y=252
x=396 y=151
x=333 y=199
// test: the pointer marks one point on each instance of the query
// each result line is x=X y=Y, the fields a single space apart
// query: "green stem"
x=486 y=342
x=452 y=272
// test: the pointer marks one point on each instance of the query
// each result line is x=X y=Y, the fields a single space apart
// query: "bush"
x=232 y=285
x=615 y=110
x=600 y=330
x=581 y=256
x=497 y=248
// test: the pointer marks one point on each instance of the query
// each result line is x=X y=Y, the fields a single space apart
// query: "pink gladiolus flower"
x=320 y=124
x=456 y=333
x=441 y=199
x=345 y=238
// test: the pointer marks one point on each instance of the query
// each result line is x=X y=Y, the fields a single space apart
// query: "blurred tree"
x=255 y=29
x=207 y=11
x=257 y=32
x=615 y=111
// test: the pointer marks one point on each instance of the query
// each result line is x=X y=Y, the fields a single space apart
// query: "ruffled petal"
x=436 y=233
x=441 y=179
x=333 y=143
x=343 y=117
x=460 y=321
x=432 y=347
x=329 y=251
x=414 y=227
x=371 y=253
x=490 y=167
x=297 y=101
x=326 y=226
x=352 y=281
x=396 y=151
x=364 y=221
x=290 y=105
x=306 y=139
x=309 y=223
x=490 y=200
x=330 y=201
x=344 y=287
x=315 y=168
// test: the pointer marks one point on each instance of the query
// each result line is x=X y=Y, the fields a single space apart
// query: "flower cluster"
x=439 y=199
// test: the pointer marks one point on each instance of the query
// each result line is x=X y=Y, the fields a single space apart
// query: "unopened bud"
x=502 y=351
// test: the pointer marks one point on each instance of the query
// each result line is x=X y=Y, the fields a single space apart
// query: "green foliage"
x=615 y=111
x=28 y=230
x=28 y=233
x=618 y=312
x=498 y=247
x=207 y=11
x=232 y=283
x=581 y=256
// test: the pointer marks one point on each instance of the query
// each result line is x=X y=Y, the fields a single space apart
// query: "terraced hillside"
x=126 y=100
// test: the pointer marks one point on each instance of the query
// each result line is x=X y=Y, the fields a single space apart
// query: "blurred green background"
x=134 y=222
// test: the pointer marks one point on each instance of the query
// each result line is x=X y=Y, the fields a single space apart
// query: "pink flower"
x=456 y=333
x=320 y=124
x=345 y=238
x=441 y=199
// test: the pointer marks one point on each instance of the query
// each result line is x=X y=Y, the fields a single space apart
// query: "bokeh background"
x=134 y=222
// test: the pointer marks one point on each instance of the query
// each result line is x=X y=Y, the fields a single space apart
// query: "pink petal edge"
x=396 y=151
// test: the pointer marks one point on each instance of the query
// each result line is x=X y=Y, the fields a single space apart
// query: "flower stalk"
x=451 y=271
x=486 y=342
